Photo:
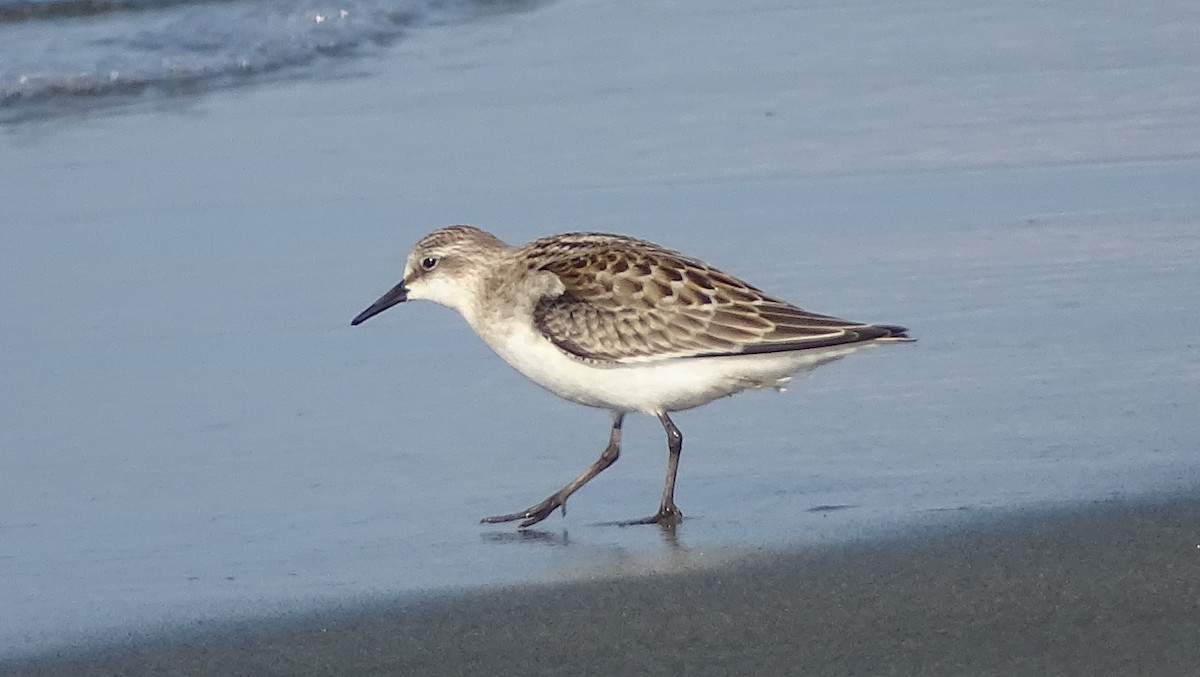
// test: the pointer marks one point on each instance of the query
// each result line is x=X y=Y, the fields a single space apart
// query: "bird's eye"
x=429 y=263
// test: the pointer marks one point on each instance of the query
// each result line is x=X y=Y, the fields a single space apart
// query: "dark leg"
x=558 y=499
x=668 y=513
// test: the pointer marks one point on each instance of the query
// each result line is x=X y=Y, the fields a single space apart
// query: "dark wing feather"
x=670 y=306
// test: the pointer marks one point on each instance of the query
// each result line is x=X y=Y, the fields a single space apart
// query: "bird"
x=622 y=324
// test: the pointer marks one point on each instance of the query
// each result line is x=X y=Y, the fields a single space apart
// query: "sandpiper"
x=622 y=324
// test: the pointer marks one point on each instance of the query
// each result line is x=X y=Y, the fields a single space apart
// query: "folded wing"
x=630 y=301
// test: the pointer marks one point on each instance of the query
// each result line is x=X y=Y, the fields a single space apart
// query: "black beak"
x=397 y=294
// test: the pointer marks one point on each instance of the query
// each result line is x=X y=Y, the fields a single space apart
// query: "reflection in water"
x=668 y=532
x=527 y=536
x=670 y=536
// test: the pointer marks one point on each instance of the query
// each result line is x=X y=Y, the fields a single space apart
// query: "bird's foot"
x=668 y=515
x=533 y=514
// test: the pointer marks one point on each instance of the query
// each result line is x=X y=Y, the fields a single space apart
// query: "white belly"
x=670 y=385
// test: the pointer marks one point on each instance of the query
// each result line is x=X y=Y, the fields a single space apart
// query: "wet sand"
x=1103 y=589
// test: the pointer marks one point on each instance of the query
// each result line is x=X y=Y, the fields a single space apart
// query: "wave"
x=28 y=10
x=62 y=56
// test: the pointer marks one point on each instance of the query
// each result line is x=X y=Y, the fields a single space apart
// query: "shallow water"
x=231 y=455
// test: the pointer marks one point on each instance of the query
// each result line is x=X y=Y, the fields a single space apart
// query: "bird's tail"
x=894 y=333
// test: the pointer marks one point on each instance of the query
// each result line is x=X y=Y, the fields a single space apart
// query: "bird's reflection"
x=536 y=536
x=668 y=532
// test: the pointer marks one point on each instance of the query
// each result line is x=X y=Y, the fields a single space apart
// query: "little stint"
x=622 y=324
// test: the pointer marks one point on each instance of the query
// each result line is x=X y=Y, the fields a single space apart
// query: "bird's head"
x=444 y=267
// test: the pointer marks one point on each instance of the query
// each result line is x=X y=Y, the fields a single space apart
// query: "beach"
x=1104 y=589
x=204 y=468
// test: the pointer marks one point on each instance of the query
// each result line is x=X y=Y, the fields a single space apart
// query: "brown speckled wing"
x=627 y=300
